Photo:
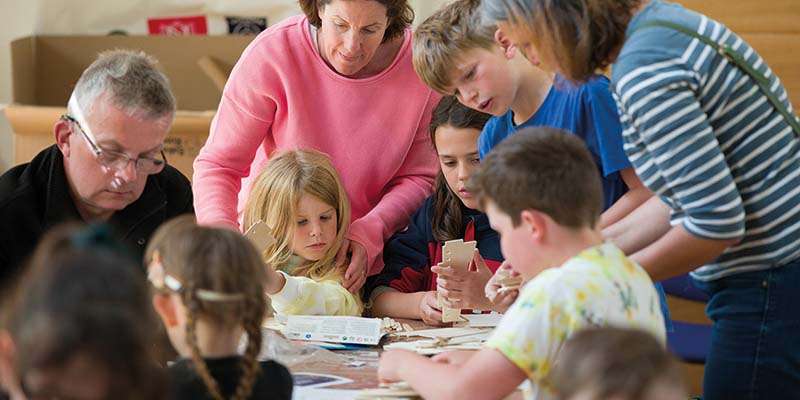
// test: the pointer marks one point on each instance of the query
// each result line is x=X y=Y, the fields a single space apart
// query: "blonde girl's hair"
x=218 y=261
x=274 y=198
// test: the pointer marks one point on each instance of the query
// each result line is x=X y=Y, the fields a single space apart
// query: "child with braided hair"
x=210 y=290
x=300 y=197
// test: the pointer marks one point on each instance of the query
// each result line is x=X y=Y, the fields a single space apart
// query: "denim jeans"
x=755 y=341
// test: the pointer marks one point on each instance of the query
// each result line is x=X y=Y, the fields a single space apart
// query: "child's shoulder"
x=494 y=131
x=596 y=85
x=424 y=214
x=592 y=267
x=275 y=369
x=274 y=382
x=605 y=259
x=496 y=122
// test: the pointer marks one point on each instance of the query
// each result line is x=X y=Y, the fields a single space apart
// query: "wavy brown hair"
x=223 y=261
x=398 y=12
x=447 y=220
x=584 y=36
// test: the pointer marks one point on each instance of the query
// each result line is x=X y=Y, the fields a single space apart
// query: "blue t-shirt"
x=588 y=111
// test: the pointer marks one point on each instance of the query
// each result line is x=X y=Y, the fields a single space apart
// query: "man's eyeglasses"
x=116 y=160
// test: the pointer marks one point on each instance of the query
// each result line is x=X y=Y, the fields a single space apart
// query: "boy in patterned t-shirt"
x=542 y=193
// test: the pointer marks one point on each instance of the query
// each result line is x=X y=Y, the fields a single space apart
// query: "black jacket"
x=273 y=383
x=35 y=197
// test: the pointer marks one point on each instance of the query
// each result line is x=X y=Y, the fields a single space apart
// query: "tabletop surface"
x=359 y=366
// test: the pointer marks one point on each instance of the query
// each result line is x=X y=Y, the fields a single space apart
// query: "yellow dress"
x=305 y=296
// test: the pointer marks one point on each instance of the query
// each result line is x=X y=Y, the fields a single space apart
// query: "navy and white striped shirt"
x=703 y=136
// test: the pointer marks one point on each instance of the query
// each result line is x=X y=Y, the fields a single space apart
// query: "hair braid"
x=193 y=308
x=251 y=322
x=220 y=261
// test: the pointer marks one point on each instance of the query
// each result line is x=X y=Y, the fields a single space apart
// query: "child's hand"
x=428 y=311
x=389 y=365
x=501 y=298
x=275 y=281
x=356 y=273
x=465 y=290
x=504 y=300
x=455 y=357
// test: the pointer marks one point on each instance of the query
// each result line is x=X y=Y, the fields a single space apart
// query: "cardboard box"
x=45 y=68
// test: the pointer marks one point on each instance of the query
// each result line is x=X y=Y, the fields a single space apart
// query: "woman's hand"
x=356 y=273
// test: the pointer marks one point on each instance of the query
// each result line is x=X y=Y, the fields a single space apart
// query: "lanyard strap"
x=737 y=59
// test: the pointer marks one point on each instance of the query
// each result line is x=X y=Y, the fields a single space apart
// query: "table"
x=360 y=366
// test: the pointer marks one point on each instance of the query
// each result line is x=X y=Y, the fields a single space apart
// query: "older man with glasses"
x=107 y=163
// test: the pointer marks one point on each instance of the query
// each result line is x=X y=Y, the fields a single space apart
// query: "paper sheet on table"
x=397 y=390
x=313 y=380
x=444 y=332
x=302 y=393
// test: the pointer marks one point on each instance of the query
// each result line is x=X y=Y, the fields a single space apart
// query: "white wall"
x=19 y=20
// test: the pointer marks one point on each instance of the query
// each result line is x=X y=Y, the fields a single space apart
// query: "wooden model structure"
x=260 y=235
x=456 y=254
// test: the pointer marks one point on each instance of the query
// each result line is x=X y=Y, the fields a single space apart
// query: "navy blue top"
x=410 y=253
x=588 y=111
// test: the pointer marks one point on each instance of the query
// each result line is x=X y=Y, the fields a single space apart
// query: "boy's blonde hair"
x=205 y=259
x=444 y=37
x=274 y=198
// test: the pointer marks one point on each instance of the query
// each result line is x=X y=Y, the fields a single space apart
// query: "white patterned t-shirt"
x=598 y=287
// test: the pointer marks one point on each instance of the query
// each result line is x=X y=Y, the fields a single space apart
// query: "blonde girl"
x=300 y=197
x=210 y=285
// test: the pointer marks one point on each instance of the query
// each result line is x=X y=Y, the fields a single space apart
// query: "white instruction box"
x=353 y=330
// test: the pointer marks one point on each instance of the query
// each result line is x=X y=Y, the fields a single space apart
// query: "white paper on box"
x=353 y=330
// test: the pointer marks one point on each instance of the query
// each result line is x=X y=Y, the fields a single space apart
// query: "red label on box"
x=175 y=26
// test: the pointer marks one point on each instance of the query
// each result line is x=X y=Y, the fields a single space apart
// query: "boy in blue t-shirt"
x=588 y=111
x=455 y=53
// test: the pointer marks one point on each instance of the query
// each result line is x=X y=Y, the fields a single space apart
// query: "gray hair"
x=131 y=82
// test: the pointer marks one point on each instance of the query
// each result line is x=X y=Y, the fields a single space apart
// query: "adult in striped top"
x=703 y=136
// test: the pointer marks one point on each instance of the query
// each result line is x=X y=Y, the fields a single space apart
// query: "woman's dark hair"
x=81 y=297
x=447 y=221
x=399 y=13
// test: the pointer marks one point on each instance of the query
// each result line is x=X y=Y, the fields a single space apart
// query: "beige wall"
x=21 y=23
x=18 y=22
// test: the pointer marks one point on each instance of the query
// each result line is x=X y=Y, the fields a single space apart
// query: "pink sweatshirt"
x=282 y=95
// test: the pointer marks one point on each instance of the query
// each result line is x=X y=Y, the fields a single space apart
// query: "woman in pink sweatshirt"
x=338 y=80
